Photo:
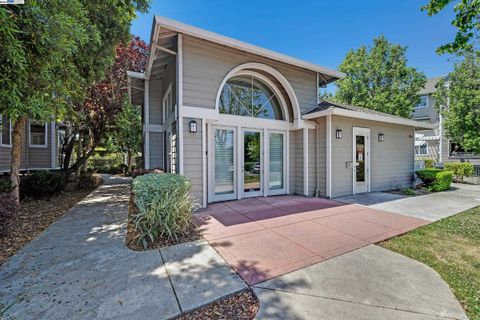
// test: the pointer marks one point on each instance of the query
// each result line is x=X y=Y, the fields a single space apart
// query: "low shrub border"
x=459 y=169
x=435 y=179
x=161 y=209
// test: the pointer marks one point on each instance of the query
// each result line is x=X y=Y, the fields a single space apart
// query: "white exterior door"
x=361 y=160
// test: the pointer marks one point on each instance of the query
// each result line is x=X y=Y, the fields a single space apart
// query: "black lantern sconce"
x=339 y=134
x=193 y=126
x=381 y=137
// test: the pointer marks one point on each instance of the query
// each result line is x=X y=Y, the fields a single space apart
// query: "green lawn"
x=451 y=247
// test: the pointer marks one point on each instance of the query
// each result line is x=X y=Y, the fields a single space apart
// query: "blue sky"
x=319 y=31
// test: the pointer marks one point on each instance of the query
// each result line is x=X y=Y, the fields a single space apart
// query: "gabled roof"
x=173 y=25
x=431 y=85
x=325 y=108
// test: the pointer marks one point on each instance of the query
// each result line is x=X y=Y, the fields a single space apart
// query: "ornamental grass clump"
x=165 y=207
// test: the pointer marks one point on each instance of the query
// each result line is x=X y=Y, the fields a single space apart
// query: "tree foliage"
x=379 y=78
x=467 y=21
x=126 y=136
x=458 y=99
x=106 y=98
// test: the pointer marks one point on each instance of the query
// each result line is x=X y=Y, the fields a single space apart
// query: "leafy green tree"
x=126 y=136
x=467 y=21
x=39 y=40
x=458 y=99
x=379 y=78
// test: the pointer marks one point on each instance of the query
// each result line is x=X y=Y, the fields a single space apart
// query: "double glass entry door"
x=244 y=160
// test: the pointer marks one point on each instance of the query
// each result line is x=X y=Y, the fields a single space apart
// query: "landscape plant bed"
x=418 y=192
x=131 y=239
x=241 y=306
x=450 y=246
x=35 y=216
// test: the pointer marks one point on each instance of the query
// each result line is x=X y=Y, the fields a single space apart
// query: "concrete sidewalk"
x=432 y=207
x=80 y=268
x=370 y=283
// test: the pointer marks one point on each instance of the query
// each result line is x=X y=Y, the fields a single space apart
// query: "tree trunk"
x=80 y=152
x=129 y=162
x=18 y=130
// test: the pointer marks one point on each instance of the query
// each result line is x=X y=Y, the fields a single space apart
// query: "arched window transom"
x=247 y=95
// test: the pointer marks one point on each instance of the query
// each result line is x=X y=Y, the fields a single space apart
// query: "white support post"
x=305 y=161
x=329 y=155
x=204 y=164
x=180 y=154
x=266 y=162
x=146 y=116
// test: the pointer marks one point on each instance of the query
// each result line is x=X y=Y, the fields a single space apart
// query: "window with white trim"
x=247 y=95
x=423 y=101
x=5 y=131
x=37 y=134
x=167 y=103
x=423 y=148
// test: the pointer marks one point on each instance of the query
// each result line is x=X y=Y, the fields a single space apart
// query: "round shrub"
x=442 y=181
x=165 y=206
x=428 y=175
x=43 y=184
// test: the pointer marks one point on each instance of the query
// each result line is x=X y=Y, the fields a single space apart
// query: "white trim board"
x=177 y=26
x=368 y=116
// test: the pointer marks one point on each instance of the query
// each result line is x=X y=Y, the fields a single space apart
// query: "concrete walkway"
x=370 y=283
x=80 y=268
x=432 y=207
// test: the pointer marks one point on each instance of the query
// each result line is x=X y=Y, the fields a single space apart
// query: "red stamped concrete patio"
x=262 y=238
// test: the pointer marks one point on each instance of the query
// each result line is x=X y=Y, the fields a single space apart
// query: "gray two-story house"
x=434 y=144
x=243 y=121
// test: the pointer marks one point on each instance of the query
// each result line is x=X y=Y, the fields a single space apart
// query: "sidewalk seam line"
x=171 y=283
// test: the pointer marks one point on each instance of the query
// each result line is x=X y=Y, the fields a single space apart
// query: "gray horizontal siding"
x=192 y=157
x=312 y=163
x=391 y=161
x=155 y=100
x=156 y=150
x=206 y=64
x=31 y=158
x=296 y=162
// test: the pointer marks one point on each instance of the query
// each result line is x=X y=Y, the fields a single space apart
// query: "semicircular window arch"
x=247 y=95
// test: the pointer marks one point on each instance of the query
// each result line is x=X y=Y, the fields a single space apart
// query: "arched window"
x=247 y=95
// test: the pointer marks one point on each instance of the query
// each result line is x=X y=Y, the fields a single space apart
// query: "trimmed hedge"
x=460 y=169
x=435 y=179
x=42 y=183
x=165 y=206
x=442 y=182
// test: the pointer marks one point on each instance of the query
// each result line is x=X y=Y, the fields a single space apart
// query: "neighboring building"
x=40 y=142
x=242 y=121
x=433 y=144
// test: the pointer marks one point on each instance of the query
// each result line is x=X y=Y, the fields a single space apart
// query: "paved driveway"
x=432 y=207
x=263 y=238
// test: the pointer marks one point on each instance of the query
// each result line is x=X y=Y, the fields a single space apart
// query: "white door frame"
x=241 y=163
x=267 y=162
x=361 y=132
x=212 y=197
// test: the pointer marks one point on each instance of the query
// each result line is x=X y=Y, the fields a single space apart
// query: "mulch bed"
x=35 y=216
x=131 y=239
x=418 y=192
x=241 y=306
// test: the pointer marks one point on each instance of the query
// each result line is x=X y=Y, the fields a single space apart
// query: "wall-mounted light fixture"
x=339 y=134
x=381 y=137
x=193 y=126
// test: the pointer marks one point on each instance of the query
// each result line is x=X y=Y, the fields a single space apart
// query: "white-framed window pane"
x=276 y=161
x=38 y=135
x=423 y=101
x=424 y=149
x=6 y=133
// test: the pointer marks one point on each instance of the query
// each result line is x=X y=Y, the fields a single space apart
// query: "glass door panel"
x=224 y=171
x=276 y=161
x=252 y=163
x=361 y=159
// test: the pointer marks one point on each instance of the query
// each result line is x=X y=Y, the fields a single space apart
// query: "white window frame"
x=1 y=135
x=30 y=145
x=167 y=103
x=426 y=105
x=426 y=148
x=422 y=119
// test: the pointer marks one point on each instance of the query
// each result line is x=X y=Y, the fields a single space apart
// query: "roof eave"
x=366 y=116
x=240 y=45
